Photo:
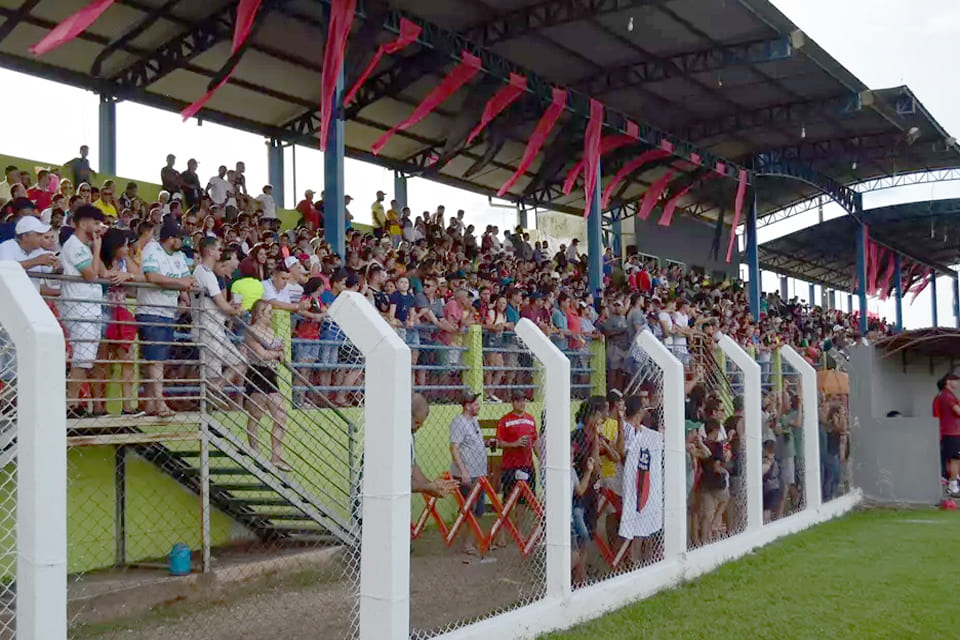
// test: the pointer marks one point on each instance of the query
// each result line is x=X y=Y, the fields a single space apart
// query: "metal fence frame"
x=41 y=581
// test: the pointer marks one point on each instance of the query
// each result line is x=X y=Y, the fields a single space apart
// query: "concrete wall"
x=685 y=240
x=894 y=459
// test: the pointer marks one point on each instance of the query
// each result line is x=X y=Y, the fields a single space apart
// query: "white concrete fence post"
x=674 y=454
x=41 y=604
x=385 y=539
x=811 y=425
x=558 y=490
x=752 y=409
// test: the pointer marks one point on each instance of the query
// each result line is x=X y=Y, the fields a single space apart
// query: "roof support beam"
x=798 y=113
x=846 y=197
x=685 y=64
x=546 y=14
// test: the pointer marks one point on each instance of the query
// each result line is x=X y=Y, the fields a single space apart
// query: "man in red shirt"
x=40 y=194
x=310 y=213
x=516 y=435
x=948 y=406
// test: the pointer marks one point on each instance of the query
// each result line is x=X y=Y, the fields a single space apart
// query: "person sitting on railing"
x=81 y=305
x=166 y=266
x=221 y=360
x=264 y=350
x=121 y=324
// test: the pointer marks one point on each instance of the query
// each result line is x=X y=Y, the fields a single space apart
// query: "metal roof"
x=735 y=78
x=926 y=232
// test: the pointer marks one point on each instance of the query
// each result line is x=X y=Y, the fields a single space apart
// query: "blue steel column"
x=522 y=218
x=400 y=189
x=933 y=296
x=594 y=238
x=849 y=302
x=784 y=289
x=334 y=208
x=275 y=170
x=956 y=300
x=898 y=289
x=108 y=135
x=618 y=235
x=862 y=276
x=813 y=293
x=753 y=257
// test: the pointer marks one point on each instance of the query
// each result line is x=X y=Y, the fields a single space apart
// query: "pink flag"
x=246 y=14
x=653 y=194
x=629 y=168
x=70 y=27
x=546 y=124
x=608 y=144
x=667 y=216
x=591 y=154
x=887 y=277
x=459 y=76
x=496 y=105
x=409 y=32
x=341 y=20
x=666 y=145
x=923 y=285
x=737 y=209
x=696 y=159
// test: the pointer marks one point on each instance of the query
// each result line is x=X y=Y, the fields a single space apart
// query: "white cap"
x=290 y=261
x=30 y=224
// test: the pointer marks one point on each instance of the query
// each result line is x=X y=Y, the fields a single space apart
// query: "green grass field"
x=872 y=574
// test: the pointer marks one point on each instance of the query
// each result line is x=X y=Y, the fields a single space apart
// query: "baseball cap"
x=468 y=397
x=170 y=228
x=290 y=261
x=614 y=395
x=381 y=193
x=30 y=224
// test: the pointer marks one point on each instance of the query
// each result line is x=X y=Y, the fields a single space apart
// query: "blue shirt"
x=330 y=329
x=404 y=302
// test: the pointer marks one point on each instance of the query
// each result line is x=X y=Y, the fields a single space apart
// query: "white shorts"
x=217 y=351
x=84 y=340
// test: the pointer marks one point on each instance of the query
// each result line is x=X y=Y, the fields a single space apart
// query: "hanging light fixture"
x=803 y=131
x=630 y=24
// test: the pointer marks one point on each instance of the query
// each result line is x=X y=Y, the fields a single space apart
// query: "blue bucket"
x=179 y=560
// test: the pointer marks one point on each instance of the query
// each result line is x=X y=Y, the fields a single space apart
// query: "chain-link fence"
x=716 y=444
x=789 y=451
x=618 y=478
x=8 y=484
x=480 y=551
x=210 y=473
x=835 y=444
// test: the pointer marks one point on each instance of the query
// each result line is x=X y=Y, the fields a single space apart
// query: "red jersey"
x=511 y=428
x=949 y=420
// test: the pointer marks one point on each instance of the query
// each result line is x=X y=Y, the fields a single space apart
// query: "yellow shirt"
x=108 y=209
x=609 y=430
x=250 y=288
x=379 y=217
x=394 y=222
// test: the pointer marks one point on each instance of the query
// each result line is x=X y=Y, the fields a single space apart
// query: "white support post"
x=41 y=458
x=675 y=450
x=385 y=539
x=752 y=409
x=559 y=499
x=811 y=425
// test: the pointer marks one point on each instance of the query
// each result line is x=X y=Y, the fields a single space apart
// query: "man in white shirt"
x=164 y=265
x=572 y=255
x=210 y=320
x=26 y=247
x=218 y=188
x=12 y=178
x=266 y=201
x=642 y=515
x=681 y=329
x=665 y=318
x=81 y=310
x=279 y=290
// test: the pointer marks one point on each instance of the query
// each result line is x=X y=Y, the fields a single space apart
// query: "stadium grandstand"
x=219 y=404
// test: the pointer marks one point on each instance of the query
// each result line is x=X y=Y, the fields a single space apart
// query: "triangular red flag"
x=341 y=20
x=591 y=154
x=501 y=100
x=409 y=32
x=653 y=194
x=737 y=210
x=544 y=126
x=70 y=27
x=608 y=144
x=630 y=168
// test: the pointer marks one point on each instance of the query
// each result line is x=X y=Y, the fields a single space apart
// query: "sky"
x=885 y=43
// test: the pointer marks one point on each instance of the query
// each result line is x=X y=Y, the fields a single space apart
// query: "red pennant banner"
x=341 y=20
x=923 y=285
x=496 y=105
x=666 y=145
x=409 y=32
x=246 y=14
x=459 y=76
x=888 y=277
x=737 y=210
x=608 y=144
x=629 y=168
x=873 y=266
x=546 y=124
x=696 y=159
x=591 y=154
x=720 y=168
x=653 y=194
x=71 y=27
x=667 y=217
